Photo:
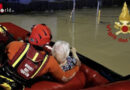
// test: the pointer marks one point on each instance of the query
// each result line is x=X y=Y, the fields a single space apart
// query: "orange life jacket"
x=28 y=61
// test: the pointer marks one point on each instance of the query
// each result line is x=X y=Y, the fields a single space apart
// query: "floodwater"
x=89 y=38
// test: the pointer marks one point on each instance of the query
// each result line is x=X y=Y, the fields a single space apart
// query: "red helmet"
x=40 y=35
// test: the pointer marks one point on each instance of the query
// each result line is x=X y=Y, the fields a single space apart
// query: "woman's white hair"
x=62 y=49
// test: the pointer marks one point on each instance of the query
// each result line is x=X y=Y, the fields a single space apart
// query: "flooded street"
x=90 y=39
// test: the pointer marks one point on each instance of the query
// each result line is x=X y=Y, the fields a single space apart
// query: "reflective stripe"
x=45 y=59
x=6 y=78
x=21 y=56
x=35 y=56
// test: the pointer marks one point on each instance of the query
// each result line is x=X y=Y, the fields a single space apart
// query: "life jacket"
x=28 y=61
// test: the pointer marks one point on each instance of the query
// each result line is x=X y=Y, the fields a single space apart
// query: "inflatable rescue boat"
x=91 y=76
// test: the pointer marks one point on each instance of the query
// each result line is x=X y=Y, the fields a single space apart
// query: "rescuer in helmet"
x=27 y=62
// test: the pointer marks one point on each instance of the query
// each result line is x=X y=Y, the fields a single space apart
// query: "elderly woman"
x=60 y=51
